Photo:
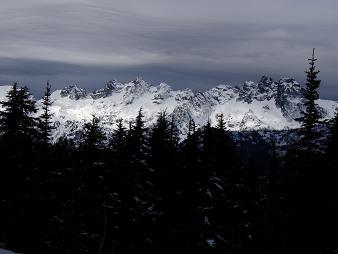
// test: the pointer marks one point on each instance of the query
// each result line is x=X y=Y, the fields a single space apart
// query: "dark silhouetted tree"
x=92 y=137
x=45 y=119
x=311 y=115
x=18 y=178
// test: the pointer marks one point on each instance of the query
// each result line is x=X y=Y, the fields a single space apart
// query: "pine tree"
x=223 y=186
x=16 y=120
x=134 y=193
x=190 y=192
x=18 y=185
x=118 y=137
x=163 y=162
x=310 y=117
x=138 y=133
x=92 y=136
x=45 y=123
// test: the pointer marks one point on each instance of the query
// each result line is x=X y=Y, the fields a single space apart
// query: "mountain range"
x=263 y=105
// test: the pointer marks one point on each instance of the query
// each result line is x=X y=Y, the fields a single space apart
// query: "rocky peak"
x=289 y=97
x=264 y=90
x=289 y=87
x=161 y=92
x=73 y=92
x=184 y=95
x=222 y=93
x=109 y=88
x=134 y=89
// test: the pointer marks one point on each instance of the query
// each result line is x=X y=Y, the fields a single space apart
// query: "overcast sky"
x=186 y=43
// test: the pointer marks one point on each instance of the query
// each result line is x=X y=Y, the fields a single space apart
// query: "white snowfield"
x=263 y=105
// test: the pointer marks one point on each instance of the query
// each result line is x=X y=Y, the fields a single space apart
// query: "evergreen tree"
x=16 y=120
x=310 y=117
x=118 y=137
x=163 y=162
x=17 y=127
x=45 y=122
x=18 y=181
x=92 y=136
x=224 y=184
x=134 y=193
x=189 y=189
x=138 y=135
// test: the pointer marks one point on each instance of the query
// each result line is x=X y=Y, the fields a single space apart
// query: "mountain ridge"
x=266 y=104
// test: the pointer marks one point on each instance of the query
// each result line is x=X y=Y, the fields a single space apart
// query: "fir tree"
x=92 y=136
x=138 y=132
x=45 y=122
x=190 y=192
x=16 y=120
x=163 y=162
x=118 y=137
x=134 y=193
x=310 y=117
x=18 y=181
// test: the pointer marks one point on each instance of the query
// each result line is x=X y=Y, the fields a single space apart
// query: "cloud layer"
x=193 y=43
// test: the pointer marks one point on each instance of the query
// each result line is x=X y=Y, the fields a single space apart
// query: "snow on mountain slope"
x=3 y=91
x=255 y=106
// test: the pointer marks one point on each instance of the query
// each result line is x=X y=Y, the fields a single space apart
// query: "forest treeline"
x=143 y=191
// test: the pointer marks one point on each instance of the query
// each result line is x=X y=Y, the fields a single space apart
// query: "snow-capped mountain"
x=267 y=104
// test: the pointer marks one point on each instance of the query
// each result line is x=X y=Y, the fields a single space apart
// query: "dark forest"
x=143 y=190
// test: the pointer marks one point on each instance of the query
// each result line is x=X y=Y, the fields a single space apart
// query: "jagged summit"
x=266 y=104
x=73 y=92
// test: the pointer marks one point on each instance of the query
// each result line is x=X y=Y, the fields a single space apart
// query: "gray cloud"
x=193 y=43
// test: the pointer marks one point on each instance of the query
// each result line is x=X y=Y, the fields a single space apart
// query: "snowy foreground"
x=254 y=106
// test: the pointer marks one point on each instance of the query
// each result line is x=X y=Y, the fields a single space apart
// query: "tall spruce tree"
x=134 y=194
x=190 y=192
x=92 y=136
x=16 y=120
x=163 y=162
x=17 y=186
x=118 y=137
x=45 y=119
x=311 y=115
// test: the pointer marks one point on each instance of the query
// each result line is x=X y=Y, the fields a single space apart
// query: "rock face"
x=73 y=92
x=267 y=104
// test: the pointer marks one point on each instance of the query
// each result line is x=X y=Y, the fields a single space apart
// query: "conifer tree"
x=92 y=135
x=190 y=192
x=17 y=179
x=163 y=162
x=311 y=115
x=16 y=120
x=45 y=122
x=222 y=185
x=137 y=133
x=118 y=137
x=134 y=193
